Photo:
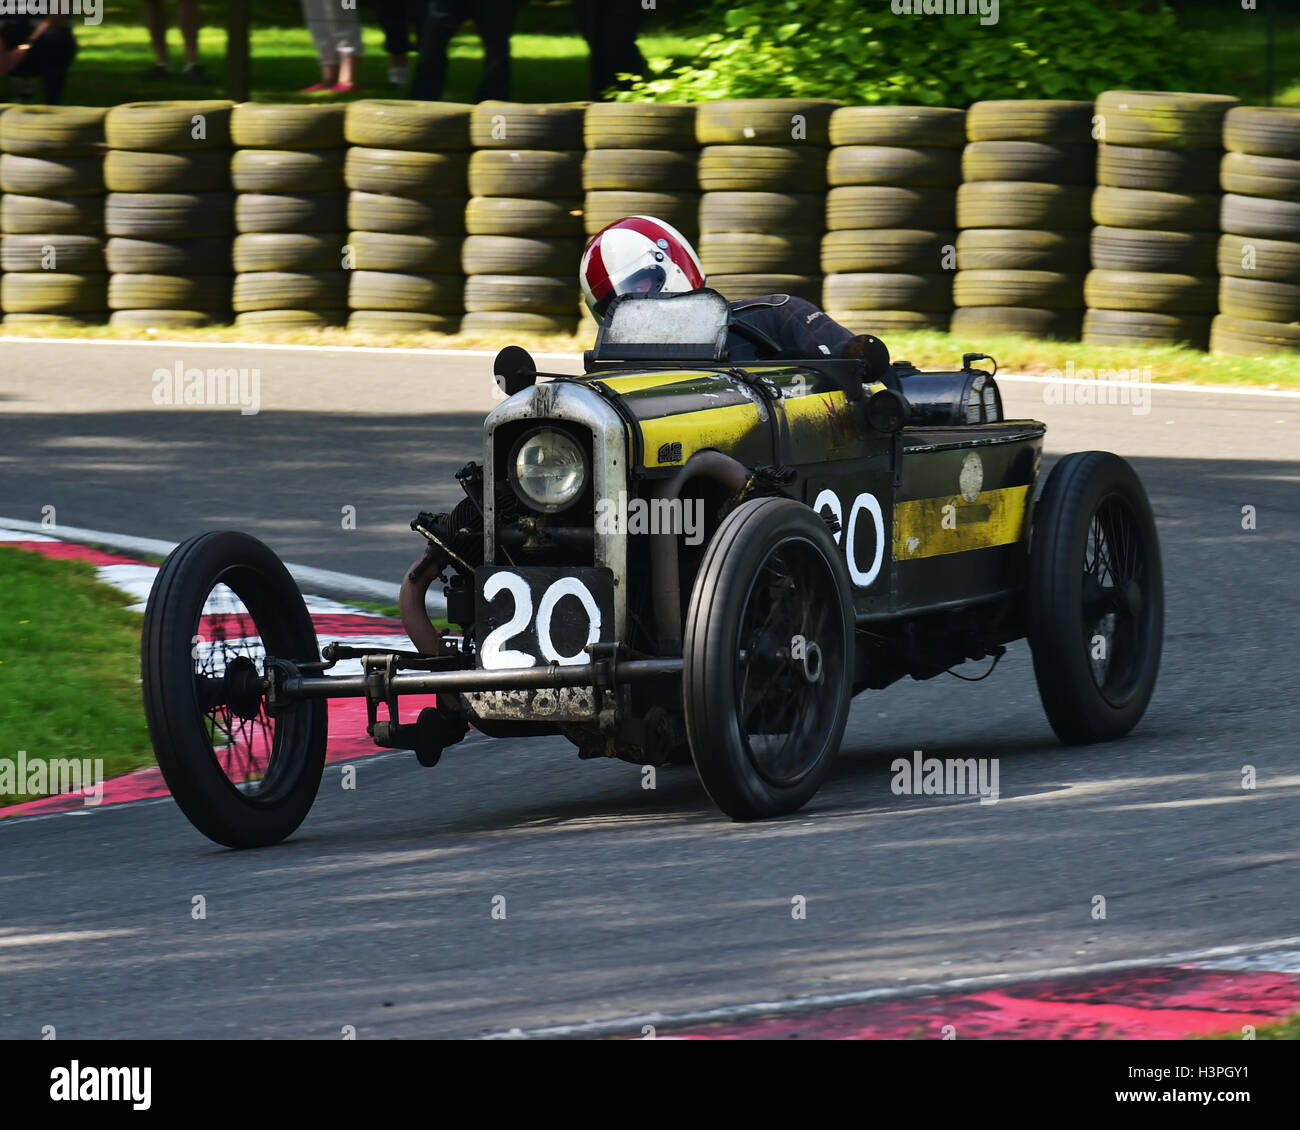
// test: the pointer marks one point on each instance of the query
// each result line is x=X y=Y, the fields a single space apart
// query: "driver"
x=643 y=255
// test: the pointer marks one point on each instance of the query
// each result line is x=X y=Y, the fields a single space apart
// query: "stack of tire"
x=1156 y=209
x=641 y=161
x=169 y=214
x=52 y=215
x=1022 y=215
x=893 y=173
x=762 y=172
x=524 y=216
x=406 y=172
x=290 y=215
x=1259 y=251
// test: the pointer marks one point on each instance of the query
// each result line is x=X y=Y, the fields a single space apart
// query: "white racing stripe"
x=1261 y=954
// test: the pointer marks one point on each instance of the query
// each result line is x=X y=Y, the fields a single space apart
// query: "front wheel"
x=1096 y=598
x=243 y=773
x=768 y=659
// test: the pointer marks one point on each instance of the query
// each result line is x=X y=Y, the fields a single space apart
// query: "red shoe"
x=317 y=87
x=346 y=87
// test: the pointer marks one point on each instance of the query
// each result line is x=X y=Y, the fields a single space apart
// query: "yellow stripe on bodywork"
x=925 y=527
x=722 y=428
x=624 y=385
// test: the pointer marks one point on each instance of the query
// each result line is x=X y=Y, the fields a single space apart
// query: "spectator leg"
x=495 y=20
x=155 y=20
x=187 y=16
x=441 y=21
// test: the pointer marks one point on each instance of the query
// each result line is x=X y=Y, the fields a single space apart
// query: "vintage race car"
x=674 y=559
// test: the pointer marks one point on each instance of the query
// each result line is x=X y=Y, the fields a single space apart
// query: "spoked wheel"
x=768 y=671
x=244 y=774
x=1096 y=598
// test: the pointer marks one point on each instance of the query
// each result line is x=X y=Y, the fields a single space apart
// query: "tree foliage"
x=880 y=51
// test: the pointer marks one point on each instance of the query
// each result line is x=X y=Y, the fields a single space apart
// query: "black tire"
x=408 y=254
x=417 y=294
x=741 y=253
x=52 y=176
x=126 y=256
x=1157 y=119
x=884 y=322
x=1259 y=299
x=1253 y=215
x=1044 y=290
x=1245 y=258
x=1247 y=337
x=1094 y=499
x=287 y=170
x=290 y=212
x=414 y=215
x=1250 y=175
x=1161 y=170
x=169 y=292
x=1158 y=211
x=204 y=171
x=45 y=321
x=52 y=131
x=289 y=290
x=163 y=319
x=81 y=254
x=783 y=550
x=502 y=215
x=270 y=618
x=897 y=166
x=391 y=322
x=284 y=251
x=506 y=254
x=737 y=287
x=1021 y=249
x=1141 y=249
x=856 y=208
x=406 y=172
x=937 y=126
x=762 y=168
x=493 y=323
x=526 y=125
x=1269 y=131
x=53 y=215
x=1026 y=321
x=1029 y=161
x=168 y=127
x=535 y=173
x=1148 y=291
x=55 y=292
x=1143 y=327
x=169 y=215
x=897 y=249
x=602 y=208
x=286 y=125
x=764 y=121
x=889 y=291
x=639 y=125
x=644 y=170
x=401 y=124
x=1028 y=119
x=532 y=294
x=291 y=319
x=769 y=213
x=1023 y=204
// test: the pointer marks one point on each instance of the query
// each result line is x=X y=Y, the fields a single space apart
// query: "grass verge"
x=927 y=349
x=69 y=666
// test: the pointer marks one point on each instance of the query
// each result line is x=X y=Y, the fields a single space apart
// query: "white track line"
x=633 y=1024
x=309 y=578
x=409 y=351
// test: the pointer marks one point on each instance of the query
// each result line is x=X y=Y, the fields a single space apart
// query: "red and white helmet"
x=637 y=255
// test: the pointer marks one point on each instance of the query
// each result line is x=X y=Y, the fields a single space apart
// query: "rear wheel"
x=1096 y=598
x=245 y=774
x=768 y=659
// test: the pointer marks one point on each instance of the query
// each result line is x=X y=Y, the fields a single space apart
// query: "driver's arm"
x=795 y=324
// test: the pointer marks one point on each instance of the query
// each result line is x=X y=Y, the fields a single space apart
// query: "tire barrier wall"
x=1143 y=218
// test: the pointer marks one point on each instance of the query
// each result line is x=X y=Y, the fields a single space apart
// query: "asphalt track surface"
x=620 y=900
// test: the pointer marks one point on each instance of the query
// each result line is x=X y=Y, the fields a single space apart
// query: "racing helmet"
x=637 y=255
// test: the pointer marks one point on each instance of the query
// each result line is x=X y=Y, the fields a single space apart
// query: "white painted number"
x=829 y=499
x=496 y=657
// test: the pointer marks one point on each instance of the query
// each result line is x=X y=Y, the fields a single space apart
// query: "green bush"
x=866 y=52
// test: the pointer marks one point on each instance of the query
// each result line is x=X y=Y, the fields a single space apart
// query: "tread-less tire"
x=1095 y=598
x=768 y=654
x=222 y=602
